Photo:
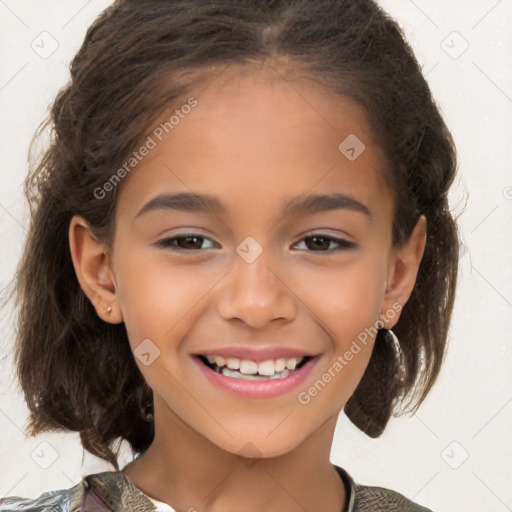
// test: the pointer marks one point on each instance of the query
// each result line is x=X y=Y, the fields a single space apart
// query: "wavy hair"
x=140 y=57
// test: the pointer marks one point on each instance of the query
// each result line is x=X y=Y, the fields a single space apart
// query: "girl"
x=239 y=202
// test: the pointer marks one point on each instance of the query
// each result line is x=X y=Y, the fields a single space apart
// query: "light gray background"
x=456 y=452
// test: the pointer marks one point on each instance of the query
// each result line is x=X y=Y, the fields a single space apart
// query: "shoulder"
x=364 y=498
x=98 y=492
x=375 y=498
x=63 y=500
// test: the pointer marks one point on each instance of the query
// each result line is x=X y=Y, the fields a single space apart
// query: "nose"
x=255 y=294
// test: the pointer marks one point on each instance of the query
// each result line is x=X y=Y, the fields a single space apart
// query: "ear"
x=402 y=272
x=92 y=268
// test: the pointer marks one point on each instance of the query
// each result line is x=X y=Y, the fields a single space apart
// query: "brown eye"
x=183 y=243
x=324 y=243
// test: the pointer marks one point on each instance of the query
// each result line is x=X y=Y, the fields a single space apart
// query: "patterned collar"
x=112 y=490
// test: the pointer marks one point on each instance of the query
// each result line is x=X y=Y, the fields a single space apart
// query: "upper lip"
x=257 y=354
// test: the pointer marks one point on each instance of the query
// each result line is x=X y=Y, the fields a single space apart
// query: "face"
x=261 y=274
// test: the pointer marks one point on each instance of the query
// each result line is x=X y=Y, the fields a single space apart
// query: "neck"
x=186 y=470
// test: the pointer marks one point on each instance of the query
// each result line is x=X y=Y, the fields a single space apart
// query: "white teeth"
x=280 y=365
x=291 y=363
x=248 y=367
x=233 y=363
x=219 y=361
x=237 y=375
x=268 y=368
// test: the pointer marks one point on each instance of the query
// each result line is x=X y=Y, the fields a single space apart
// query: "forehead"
x=260 y=132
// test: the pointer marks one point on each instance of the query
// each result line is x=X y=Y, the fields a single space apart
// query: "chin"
x=259 y=446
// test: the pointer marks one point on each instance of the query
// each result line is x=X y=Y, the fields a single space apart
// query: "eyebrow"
x=301 y=205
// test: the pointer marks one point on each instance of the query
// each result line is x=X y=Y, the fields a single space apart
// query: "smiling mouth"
x=249 y=370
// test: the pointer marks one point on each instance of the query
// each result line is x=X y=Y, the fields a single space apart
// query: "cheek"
x=347 y=302
x=157 y=299
x=347 y=299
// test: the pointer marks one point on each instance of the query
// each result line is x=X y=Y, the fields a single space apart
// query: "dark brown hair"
x=138 y=59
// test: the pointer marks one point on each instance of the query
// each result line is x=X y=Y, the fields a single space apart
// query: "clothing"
x=113 y=491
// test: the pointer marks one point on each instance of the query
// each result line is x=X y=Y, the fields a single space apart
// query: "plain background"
x=455 y=453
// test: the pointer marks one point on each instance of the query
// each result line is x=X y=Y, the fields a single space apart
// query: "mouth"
x=262 y=378
x=245 y=369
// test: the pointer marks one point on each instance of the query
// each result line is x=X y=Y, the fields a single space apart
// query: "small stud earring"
x=109 y=310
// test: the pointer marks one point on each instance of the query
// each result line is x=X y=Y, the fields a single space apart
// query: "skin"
x=254 y=141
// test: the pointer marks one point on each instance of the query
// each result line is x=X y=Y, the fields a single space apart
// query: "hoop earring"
x=391 y=339
x=147 y=414
x=371 y=405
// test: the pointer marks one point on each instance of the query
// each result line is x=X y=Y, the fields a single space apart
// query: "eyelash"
x=167 y=243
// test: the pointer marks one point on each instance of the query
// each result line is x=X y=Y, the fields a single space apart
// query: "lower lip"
x=257 y=388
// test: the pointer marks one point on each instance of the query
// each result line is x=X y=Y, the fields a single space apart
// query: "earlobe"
x=402 y=272
x=92 y=268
